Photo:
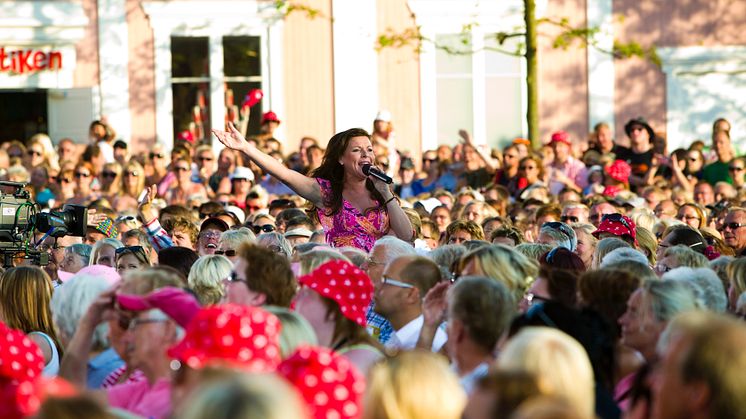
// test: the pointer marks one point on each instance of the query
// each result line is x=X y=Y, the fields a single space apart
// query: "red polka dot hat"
x=330 y=384
x=240 y=336
x=344 y=283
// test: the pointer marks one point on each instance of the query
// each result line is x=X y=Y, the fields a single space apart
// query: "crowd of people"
x=591 y=277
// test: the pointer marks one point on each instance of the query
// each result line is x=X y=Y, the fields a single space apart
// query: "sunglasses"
x=267 y=228
x=228 y=253
x=435 y=160
x=618 y=218
x=569 y=218
x=735 y=169
x=732 y=226
x=34 y=153
x=110 y=175
x=563 y=228
x=64 y=180
x=156 y=155
x=181 y=169
x=130 y=249
x=132 y=174
x=82 y=175
x=204 y=158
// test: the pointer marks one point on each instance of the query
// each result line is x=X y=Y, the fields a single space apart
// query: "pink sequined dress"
x=349 y=227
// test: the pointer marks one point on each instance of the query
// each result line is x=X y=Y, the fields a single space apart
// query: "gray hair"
x=636 y=269
x=275 y=241
x=622 y=254
x=445 y=257
x=234 y=238
x=669 y=298
x=70 y=302
x=685 y=256
x=533 y=251
x=393 y=247
x=604 y=247
x=96 y=249
x=82 y=250
x=705 y=284
x=356 y=256
x=564 y=236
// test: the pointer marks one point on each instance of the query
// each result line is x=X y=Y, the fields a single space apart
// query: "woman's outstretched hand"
x=232 y=138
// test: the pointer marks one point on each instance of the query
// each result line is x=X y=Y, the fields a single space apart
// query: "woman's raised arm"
x=303 y=185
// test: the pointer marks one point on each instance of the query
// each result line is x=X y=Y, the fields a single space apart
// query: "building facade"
x=155 y=68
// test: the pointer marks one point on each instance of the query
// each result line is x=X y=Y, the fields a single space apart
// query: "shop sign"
x=24 y=61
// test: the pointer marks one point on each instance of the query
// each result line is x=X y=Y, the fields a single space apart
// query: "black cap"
x=642 y=122
x=120 y=144
x=214 y=223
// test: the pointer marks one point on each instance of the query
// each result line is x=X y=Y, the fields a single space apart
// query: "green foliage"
x=286 y=7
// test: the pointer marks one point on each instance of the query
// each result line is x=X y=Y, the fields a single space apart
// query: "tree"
x=528 y=49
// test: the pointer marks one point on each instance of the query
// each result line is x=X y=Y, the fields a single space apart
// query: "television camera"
x=20 y=219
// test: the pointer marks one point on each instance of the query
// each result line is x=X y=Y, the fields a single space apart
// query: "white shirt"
x=469 y=380
x=406 y=337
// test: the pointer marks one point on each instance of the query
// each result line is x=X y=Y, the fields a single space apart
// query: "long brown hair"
x=25 y=296
x=346 y=331
x=332 y=171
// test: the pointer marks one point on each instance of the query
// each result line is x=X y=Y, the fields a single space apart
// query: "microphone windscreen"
x=366 y=169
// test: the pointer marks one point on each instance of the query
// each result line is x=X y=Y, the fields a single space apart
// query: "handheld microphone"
x=369 y=170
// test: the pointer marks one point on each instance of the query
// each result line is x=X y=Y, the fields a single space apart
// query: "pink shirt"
x=349 y=227
x=572 y=168
x=142 y=399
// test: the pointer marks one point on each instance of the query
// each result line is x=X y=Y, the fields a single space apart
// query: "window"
x=190 y=81
x=190 y=78
x=242 y=68
x=480 y=91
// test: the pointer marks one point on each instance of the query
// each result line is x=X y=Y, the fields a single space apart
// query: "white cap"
x=303 y=232
x=238 y=212
x=383 y=115
x=430 y=204
x=242 y=173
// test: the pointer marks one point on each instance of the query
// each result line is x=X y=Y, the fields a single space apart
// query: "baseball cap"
x=214 y=222
x=242 y=173
x=270 y=116
x=177 y=303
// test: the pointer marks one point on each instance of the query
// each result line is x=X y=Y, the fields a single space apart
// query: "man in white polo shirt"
x=398 y=297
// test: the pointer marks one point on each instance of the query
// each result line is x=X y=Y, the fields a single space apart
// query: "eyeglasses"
x=64 y=180
x=79 y=175
x=569 y=218
x=537 y=310
x=34 y=153
x=735 y=169
x=229 y=253
x=110 y=175
x=204 y=158
x=267 y=228
x=210 y=234
x=732 y=226
x=395 y=283
x=156 y=155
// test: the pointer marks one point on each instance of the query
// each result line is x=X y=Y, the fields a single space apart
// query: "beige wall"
x=309 y=88
x=141 y=76
x=86 y=66
x=640 y=85
x=399 y=78
x=563 y=77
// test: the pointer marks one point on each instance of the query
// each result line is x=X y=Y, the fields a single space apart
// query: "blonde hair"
x=296 y=330
x=206 y=278
x=643 y=217
x=533 y=251
x=737 y=275
x=647 y=243
x=255 y=396
x=505 y=265
x=96 y=250
x=604 y=247
x=316 y=257
x=132 y=166
x=685 y=256
x=234 y=238
x=414 y=385
x=559 y=361
x=25 y=301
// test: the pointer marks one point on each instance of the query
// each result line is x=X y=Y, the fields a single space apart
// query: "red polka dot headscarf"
x=620 y=171
x=21 y=363
x=344 y=283
x=330 y=384
x=241 y=336
x=618 y=225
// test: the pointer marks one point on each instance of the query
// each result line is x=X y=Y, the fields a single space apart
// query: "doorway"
x=23 y=113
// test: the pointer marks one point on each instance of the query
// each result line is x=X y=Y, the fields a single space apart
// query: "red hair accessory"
x=344 y=283
x=330 y=384
x=244 y=337
x=620 y=171
x=618 y=225
x=611 y=191
x=560 y=137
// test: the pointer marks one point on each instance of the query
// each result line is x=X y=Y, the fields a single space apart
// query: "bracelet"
x=390 y=199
